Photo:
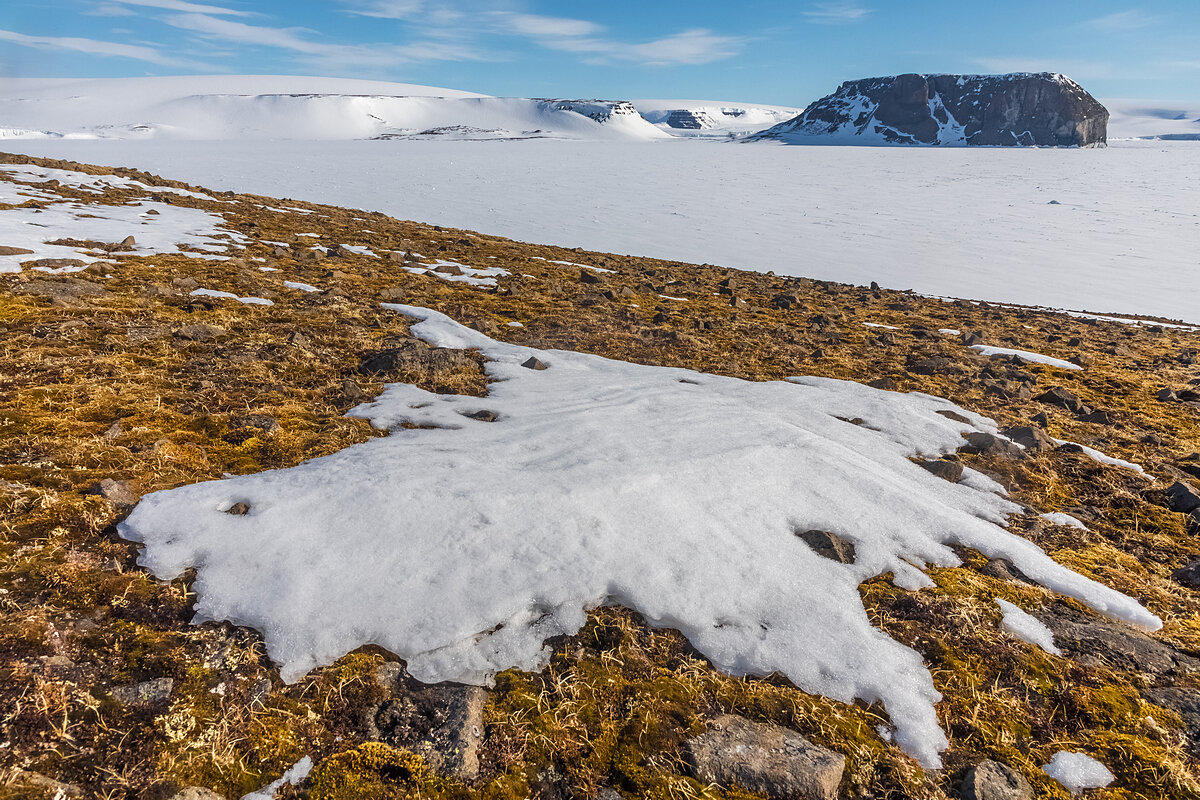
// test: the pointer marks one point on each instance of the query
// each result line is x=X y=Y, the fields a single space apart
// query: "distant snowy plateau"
x=1114 y=230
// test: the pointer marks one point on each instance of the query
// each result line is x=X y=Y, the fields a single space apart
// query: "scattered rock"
x=765 y=759
x=587 y=276
x=199 y=332
x=145 y=694
x=1166 y=395
x=238 y=509
x=946 y=470
x=353 y=392
x=1099 y=642
x=58 y=789
x=1058 y=396
x=1004 y=570
x=1099 y=417
x=1030 y=438
x=994 y=781
x=1183 y=701
x=888 y=385
x=954 y=415
x=937 y=365
x=121 y=494
x=1188 y=576
x=196 y=793
x=482 y=416
x=829 y=545
x=54 y=263
x=263 y=422
x=62 y=291
x=442 y=722
x=533 y=363
x=990 y=445
x=413 y=355
x=1183 y=497
x=14 y=251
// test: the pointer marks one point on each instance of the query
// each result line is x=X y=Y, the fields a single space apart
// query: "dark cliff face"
x=1044 y=109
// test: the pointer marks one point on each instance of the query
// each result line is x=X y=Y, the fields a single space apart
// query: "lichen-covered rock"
x=766 y=759
x=1019 y=109
x=994 y=781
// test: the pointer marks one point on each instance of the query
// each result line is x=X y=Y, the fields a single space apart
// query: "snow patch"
x=462 y=545
x=1026 y=627
x=1078 y=771
x=1024 y=355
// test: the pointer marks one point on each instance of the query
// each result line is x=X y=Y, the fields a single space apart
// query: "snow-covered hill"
x=1141 y=119
x=712 y=118
x=298 y=108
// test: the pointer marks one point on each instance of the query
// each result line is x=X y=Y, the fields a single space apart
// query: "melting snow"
x=296 y=775
x=256 y=301
x=1026 y=627
x=1096 y=455
x=462 y=545
x=304 y=287
x=1059 y=518
x=1078 y=771
x=475 y=276
x=880 y=325
x=1024 y=355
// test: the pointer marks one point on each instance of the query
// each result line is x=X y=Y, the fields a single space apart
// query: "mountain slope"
x=1020 y=109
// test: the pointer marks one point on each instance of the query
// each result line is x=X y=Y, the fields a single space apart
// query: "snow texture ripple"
x=462 y=545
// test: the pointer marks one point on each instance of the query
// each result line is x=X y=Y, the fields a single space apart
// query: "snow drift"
x=462 y=544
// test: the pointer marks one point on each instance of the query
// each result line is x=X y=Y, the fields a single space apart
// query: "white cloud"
x=1123 y=21
x=94 y=47
x=836 y=13
x=181 y=5
x=537 y=26
x=328 y=54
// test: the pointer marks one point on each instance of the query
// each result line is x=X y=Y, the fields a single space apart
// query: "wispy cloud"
x=181 y=5
x=836 y=13
x=95 y=47
x=1133 y=19
x=297 y=40
x=537 y=25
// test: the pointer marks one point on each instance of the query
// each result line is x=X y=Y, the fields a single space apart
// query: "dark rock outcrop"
x=1021 y=109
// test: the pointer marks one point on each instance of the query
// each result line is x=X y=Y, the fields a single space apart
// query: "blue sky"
x=767 y=51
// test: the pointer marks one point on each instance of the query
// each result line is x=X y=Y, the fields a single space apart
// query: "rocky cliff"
x=1044 y=109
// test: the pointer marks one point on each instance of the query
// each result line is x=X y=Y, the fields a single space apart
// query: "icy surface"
x=970 y=223
x=295 y=775
x=1103 y=458
x=1024 y=355
x=462 y=545
x=1078 y=771
x=1026 y=627
x=1059 y=518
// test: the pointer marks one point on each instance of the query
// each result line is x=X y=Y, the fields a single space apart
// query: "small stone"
x=937 y=365
x=114 y=431
x=588 y=276
x=533 y=363
x=196 y=793
x=121 y=494
x=829 y=545
x=765 y=759
x=353 y=392
x=994 y=781
x=990 y=445
x=1166 y=395
x=946 y=470
x=14 y=251
x=482 y=416
x=1183 y=497
x=948 y=414
x=1030 y=438
x=1059 y=396
x=199 y=332
x=887 y=385
x=1188 y=576
x=1099 y=417
x=147 y=693
x=238 y=509
x=263 y=422
x=1003 y=569
x=128 y=243
x=187 y=283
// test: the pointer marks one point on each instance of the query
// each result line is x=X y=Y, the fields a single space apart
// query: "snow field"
x=962 y=222
x=462 y=545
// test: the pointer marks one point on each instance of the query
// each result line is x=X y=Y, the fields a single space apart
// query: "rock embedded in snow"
x=1020 y=109
x=991 y=445
x=1030 y=438
x=463 y=547
x=829 y=545
x=991 y=780
x=770 y=760
x=946 y=470
x=1100 y=642
x=1078 y=771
